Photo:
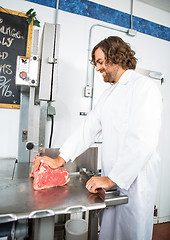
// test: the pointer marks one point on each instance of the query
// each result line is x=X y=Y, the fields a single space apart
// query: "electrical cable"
x=52 y=128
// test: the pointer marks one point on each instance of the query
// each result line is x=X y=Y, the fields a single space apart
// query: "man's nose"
x=98 y=67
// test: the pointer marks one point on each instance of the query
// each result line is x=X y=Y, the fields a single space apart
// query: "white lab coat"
x=129 y=116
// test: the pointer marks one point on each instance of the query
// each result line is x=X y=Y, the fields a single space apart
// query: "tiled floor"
x=161 y=231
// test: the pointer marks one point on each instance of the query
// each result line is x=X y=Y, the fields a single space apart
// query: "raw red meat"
x=46 y=177
x=37 y=163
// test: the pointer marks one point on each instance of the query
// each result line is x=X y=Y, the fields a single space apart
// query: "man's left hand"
x=99 y=182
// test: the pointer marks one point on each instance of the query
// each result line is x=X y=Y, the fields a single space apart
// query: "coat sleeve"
x=142 y=136
x=85 y=135
x=81 y=139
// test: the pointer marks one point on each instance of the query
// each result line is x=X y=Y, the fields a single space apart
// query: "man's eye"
x=99 y=62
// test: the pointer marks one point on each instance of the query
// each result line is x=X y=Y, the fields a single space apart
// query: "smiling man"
x=111 y=72
x=129 y=116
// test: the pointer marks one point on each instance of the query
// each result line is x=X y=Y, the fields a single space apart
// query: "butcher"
x=128 y=115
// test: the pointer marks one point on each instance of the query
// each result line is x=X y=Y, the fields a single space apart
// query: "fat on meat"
x=46 y=177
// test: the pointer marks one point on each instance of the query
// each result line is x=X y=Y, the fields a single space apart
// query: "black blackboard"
x=15 y=40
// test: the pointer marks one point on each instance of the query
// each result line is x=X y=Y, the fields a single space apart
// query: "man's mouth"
x=103 y=74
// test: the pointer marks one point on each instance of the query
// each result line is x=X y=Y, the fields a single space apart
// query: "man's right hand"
x=52 y=163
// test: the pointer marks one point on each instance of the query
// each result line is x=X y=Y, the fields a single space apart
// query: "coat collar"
x=124 y=79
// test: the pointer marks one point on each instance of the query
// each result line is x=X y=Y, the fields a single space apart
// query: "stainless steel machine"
x=29 y=214
x=41 y=215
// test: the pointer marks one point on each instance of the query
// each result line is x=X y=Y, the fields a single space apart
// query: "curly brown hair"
x=116 y=51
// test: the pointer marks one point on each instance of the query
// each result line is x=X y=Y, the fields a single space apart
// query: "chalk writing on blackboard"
x=15 y=41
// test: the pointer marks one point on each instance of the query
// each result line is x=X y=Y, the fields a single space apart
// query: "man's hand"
x=99 y=182
x=52 y=163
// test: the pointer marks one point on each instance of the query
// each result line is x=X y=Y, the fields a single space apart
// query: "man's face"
x=109 y=71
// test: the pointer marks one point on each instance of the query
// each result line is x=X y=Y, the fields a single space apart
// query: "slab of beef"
x=47 y=177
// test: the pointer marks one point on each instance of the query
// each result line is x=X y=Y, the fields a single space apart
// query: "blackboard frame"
x=28 y=47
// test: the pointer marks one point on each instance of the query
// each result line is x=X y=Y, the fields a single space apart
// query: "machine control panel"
x=27 y=71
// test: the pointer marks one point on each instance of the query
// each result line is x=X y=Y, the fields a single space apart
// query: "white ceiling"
x=161 y=4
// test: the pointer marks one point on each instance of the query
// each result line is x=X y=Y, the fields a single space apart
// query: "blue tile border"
x=48 y=3
x=109 y=15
